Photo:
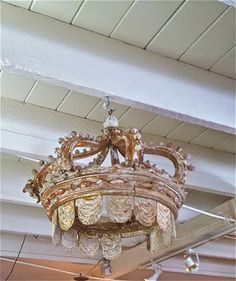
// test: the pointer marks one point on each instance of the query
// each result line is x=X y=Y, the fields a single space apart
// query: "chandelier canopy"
x=92 y=206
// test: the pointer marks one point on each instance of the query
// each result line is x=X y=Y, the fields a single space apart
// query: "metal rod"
x=220 y=217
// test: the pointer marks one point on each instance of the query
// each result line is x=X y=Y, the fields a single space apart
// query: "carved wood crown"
x=99 y=204
x=126 y=143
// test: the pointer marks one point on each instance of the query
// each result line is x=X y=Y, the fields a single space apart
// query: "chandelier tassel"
x=69 y=239
x=66 y=213
x=119 y=208
x=89 y=209
x=145 y=211
x=111 y=246
x=88 y=245
x=163 y=216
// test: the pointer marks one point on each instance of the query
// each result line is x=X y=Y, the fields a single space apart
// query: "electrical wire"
x=94 y=267
x=22 y=244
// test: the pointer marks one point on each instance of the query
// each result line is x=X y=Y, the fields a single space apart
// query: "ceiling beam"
x=45 y=49
x=191 y=234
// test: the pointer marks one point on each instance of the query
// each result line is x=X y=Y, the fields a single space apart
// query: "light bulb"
x=191 y=265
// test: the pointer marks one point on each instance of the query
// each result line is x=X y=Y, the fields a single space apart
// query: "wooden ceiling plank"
x=78 y=104
x=210 y=138
x=23 y=4
x=185 y=27
x=228 y=144
x=226 y=65
x=139 y=32
x=46 y=95
x=186 y=132
x=101 y=16
x=61 y=10
x=214 y=43
x=161 y=126
x=14 y=86
x=136 y=118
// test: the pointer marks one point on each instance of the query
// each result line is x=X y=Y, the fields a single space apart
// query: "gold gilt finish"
x=96 y=206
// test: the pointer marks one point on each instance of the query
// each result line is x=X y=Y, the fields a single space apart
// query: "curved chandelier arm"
x=69 y=153
x=121 y=143
x=34 y=185
x=92 y=150
x=40 y=176
x=101 y=156
x=180 y=163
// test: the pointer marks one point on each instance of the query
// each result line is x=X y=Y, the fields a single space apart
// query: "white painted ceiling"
x=201 y=33
x=63 y=100
x=192 y=31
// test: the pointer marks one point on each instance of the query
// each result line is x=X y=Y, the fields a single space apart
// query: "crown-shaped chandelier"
x=94 y=206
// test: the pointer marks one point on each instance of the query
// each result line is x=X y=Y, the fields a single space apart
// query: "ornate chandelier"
x=96 y=206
